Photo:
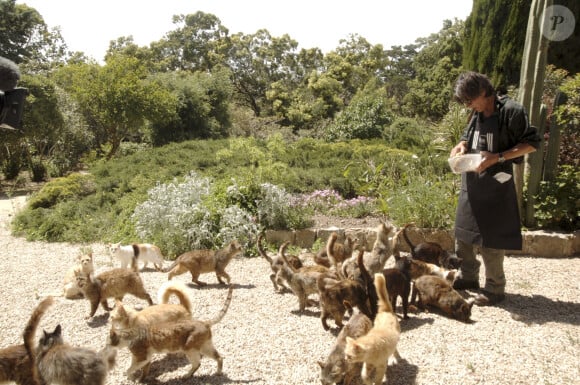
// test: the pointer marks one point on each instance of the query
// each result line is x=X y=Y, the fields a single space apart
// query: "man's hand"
x=460 y=149
x=488 y=159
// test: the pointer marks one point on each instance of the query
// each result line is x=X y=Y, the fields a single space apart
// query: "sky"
x=89 y=25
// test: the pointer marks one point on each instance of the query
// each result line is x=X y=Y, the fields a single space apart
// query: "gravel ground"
x=532 y=338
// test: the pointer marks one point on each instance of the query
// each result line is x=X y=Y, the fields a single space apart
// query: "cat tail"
x=330 y=249
x=222 y=312
x=134 y=261
x=369 y=286
x=176 y=288
x=30 y=331
x=282 y=252
x=381 y=286
x=261 y=249
x=406 y=237
x=109 y=356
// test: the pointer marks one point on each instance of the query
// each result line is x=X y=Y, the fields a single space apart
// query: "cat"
x=336 y=370
x=192 y=337
x=205 y=261
x=431 y=252
x=112 y=283
x=438 y=292
x=276 y=263
x=398 y=285
x=144 y=252
x=335 y=252
x=126 y=318
x=374 y=348
x=60 y=363
x=17 y=362
x=336 y=296
x=417 y=268
x=302 y=282
x=84 y=265
x=375 y=260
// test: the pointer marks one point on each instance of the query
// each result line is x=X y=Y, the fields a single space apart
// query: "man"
x=487 y=210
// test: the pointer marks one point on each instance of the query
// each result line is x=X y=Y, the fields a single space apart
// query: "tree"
x=25 y=37
x=117 y=98
x=199 y=43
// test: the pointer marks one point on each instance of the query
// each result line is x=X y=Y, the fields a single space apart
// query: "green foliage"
x=62 y=189
x=558 y=201
x=449 y=130
x=408 y=134
x=364 y=118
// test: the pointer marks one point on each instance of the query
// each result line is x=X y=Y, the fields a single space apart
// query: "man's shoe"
x=486 y=298
x=463 y=284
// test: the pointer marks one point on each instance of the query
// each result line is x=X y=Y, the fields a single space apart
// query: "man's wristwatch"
x=501 y=159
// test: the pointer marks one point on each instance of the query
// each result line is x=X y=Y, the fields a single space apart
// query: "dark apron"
x=487 y=210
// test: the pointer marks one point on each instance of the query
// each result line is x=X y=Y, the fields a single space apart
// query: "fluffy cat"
x=84 y=265
x=336 y=370
x=431 y=252
x=60 y=363
x=144 y=252
x=126 y=318
x=192 y=337
x=436 y=291
x=114 y=283
x=380 y=343
x=276 y=263
x=205 y=261
x=17 y=362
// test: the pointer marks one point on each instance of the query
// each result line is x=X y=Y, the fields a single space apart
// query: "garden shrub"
x=558 y=201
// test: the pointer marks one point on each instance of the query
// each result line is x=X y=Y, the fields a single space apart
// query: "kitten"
x=113 y=283
x=398 y=285
x=436 y=291
x=276 y=263
x=336 y=370
x=335 y=252
x=301 y=282
x=431 y=252
x=192 y=337
x=144 y=252
x=85 y=266
x=205 y=261
x=336 y=296
x=60 y=363
x=17 y=362
x=125 y=318
x=375 y=348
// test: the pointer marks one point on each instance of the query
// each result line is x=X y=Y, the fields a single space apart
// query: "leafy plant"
x=558 y=201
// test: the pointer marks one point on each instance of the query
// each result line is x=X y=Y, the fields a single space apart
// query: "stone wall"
x=536 y=243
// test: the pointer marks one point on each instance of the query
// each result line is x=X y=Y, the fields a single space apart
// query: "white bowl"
x=464 y=163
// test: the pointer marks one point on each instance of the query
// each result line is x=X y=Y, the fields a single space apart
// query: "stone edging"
x=536 y=243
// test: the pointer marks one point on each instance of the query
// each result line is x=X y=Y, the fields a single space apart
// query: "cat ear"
x=321 y=364
x=58 y=330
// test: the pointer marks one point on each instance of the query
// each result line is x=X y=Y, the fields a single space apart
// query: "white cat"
x=144 y=252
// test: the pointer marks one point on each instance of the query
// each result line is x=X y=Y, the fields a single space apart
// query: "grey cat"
x=60 y=363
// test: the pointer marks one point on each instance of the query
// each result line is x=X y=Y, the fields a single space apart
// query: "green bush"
x=62 y=189
x=558 y=201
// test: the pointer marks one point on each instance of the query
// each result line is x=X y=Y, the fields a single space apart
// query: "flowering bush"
x=330 y=202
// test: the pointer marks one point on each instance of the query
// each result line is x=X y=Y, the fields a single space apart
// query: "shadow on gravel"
x=211 y=286
x=538 y=309
x=414 y=322
x=98 y=320
x=402 y=373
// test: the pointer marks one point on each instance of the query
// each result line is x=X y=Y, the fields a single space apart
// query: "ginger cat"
x=380 y=343
x=126 y=318
x=60 y=363
x=113 y=283
x=192 y=337
x=205 y=261
x=17 y=362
